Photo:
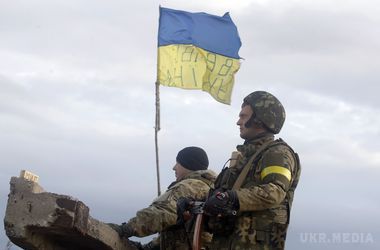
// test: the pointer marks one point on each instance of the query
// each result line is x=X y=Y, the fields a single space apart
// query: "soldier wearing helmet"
x=249 y=207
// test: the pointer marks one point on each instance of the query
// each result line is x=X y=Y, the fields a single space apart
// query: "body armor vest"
x=263 y=223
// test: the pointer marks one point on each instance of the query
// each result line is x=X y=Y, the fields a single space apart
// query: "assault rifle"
x=196 y=209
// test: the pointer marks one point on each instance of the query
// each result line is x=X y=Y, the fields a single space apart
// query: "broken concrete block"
x=36 y=219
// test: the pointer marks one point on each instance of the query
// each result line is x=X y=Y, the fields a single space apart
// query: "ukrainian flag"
x=198 y=51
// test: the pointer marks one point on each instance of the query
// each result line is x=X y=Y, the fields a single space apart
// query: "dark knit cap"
x=193 y=158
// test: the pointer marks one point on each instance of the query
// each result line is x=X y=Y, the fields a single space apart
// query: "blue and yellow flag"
x=198 y=51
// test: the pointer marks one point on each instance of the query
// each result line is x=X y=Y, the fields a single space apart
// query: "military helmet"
x=267 y=109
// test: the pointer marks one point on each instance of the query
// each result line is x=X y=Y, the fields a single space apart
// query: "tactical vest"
x=262 y=224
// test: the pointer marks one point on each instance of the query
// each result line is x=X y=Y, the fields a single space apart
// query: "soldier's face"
x=244 y=115
x=180 y=171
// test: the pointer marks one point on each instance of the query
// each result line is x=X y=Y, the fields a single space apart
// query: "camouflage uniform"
x=265 y=197
x=161 y=215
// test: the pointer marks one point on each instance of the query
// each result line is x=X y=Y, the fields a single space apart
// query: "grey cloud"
x=326 y=51
x=302 y=28
x=89 y=35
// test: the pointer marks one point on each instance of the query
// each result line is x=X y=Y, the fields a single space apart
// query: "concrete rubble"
x=40 y=220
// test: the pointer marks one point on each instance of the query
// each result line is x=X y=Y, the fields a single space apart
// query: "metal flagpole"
x=156 y=129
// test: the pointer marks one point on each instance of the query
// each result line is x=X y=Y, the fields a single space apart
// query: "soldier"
x=250 y=205
x=192 y=180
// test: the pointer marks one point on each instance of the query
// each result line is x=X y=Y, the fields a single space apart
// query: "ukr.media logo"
x=336 y=238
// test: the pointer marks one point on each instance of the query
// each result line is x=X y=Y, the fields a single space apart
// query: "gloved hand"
x=183 y=207
x=136 y=244
x=222 y=204
x=124 y=230
x=150 y=246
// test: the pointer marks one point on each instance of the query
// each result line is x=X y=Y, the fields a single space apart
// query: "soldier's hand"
x=124 y=230
x=183 y=207
x=150 y=246
x=137 y=244
x=222 y=204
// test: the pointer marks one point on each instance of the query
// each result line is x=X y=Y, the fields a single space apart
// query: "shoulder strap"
x=244 y=172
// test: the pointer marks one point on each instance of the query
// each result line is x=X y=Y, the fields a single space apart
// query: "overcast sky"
x=77 y=105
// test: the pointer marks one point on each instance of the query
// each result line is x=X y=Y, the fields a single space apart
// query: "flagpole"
x=156 y=129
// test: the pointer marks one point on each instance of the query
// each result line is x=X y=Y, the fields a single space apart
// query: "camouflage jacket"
x=265 y=197
x=161 y=215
